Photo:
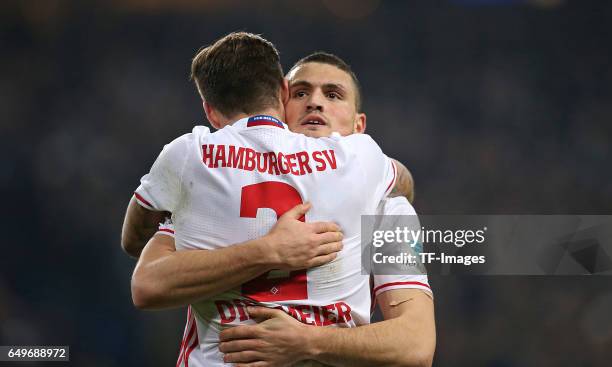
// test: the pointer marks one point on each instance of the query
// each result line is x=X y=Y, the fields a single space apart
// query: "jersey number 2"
x=270 y=287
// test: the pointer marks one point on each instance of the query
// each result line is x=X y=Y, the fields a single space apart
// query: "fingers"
x=322 y=260
x=262 y=313
x=238 y=332
x=240 y=345
x=246 y=356
x=329 y=248
x=321 y=227
x=329 y=237
x=297 y=211
x=253 y=364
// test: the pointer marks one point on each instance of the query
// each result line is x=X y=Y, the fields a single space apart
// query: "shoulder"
x=197 y=134
x=360 y=143
x=398 y=205
x=199 y=131
x=358 y=139
x=349 y=141
x=178 y=149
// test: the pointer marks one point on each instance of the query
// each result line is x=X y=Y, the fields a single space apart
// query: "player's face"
x=321 y=101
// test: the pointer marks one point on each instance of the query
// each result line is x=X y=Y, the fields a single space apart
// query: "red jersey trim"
x=188 y=328
x=193 y=345
x=263 y=123
x=394 y=176
x=264 y=120
x=142 y=200
x=386 y=285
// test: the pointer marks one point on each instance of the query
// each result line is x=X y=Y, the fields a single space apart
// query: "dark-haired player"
x=197 y=175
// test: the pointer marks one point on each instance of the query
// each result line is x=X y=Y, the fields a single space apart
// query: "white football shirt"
x=230 y=186
x=381 y=283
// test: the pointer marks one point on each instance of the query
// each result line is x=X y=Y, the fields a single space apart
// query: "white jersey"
x=390 y=206
x=381 y=283
x=230 y=186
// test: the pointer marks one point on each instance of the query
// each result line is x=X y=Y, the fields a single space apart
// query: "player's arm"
x=158 y=194
x=405 y=338
x=404 y=184
x=166 y=278
x=139 y=225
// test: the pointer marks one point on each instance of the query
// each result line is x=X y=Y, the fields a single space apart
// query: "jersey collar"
x=259 y=120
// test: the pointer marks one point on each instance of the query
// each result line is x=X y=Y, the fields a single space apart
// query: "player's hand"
x=277 y=340
x=294 y=245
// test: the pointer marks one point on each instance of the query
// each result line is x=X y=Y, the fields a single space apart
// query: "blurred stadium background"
x=497 y=107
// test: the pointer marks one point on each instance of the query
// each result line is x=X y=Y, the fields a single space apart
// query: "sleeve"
x=379 y=170
x=399 y=206
x=166 y=228
x=160 y=189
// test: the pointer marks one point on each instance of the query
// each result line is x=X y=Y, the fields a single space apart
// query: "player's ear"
x=285 y=92
x=360 y=123
x=212 y=115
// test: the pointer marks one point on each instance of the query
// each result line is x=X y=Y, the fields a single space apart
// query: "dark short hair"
x=331 y=59
x=240 y=72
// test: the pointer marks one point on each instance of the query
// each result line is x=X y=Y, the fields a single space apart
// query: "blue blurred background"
x=497 y=107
